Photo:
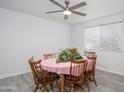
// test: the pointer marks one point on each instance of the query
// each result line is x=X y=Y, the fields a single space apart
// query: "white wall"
x=109 y=61
x=22 y=36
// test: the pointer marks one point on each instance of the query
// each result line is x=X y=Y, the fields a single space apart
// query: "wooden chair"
x=91 y=66
x=49 y=55
x=76 y=77
x=42 y=77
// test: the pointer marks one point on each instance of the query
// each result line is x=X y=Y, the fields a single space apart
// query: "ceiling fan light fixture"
x=67 y=12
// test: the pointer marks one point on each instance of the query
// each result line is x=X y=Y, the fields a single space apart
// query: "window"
x=92 y=38
x=104 y=37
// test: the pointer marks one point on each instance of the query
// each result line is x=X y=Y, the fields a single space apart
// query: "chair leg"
x=58 y=85
x=88 y=86
x=94 y=80
x=51 y=86
x=81 y=86
x=90 y=78
x=37 y=86
x=72 y=88
x=87 y=83
x=41 y=88
x=44 y=88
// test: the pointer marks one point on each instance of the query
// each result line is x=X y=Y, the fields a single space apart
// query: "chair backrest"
x=35 y=68
x=87 y=53
x=91 y=63
x=49 y=55
x=77 y=68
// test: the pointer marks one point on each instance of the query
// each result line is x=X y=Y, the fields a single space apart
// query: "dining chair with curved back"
x=91 y=66
x=77 y=69
x=48 y=56
x=41 y=77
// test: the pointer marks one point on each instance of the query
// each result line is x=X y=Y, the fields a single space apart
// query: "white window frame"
x=120 y=38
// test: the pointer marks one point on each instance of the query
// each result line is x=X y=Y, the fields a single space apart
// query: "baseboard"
x=15 y=74
x=107 y=70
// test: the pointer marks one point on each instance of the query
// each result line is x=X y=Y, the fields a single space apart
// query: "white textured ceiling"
x=94 y=8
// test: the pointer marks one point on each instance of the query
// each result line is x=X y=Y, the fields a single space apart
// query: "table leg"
x=62 y=82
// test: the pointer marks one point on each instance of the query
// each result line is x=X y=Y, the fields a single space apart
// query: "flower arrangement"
x=69 y=54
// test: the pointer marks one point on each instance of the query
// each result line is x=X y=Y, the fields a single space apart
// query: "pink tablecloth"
x=52 y=66
x=61 y=68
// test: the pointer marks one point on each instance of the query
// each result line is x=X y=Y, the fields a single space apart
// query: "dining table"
x=60 y=68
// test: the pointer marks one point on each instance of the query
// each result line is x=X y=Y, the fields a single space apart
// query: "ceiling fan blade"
x=78 y=5
x=55 y=11
x=56 y=3
x=78 y=13
x=66 y=17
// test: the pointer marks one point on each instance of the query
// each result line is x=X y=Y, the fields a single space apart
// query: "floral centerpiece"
x=69 y=54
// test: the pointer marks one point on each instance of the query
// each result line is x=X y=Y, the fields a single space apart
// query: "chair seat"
x=88 y=73
x=55 y=75
x=48 y=76
x=72 y=78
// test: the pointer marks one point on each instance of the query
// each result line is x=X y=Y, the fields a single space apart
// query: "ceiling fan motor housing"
x=67 y=2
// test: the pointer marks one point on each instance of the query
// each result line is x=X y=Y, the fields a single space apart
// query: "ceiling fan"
x=67 y=10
